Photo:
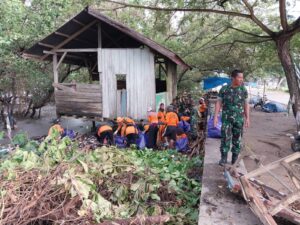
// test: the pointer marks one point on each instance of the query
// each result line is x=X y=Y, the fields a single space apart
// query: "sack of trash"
x=212 y=131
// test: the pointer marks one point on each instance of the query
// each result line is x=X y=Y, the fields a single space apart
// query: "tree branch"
x=237 y=41
x=248 y=33
x=229 y=13
x=256 y=20
x=282 y=11
x=181 y=75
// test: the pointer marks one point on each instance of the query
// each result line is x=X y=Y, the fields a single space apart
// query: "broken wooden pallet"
x=265 y=205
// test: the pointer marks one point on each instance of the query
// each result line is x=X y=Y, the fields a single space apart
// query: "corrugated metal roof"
x=114 y=35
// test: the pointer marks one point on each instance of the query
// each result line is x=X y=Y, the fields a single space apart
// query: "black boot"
x=234 y=158
x=223 y=160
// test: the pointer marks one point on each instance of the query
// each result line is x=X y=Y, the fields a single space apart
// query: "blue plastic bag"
x=69 y=133
x=182 y=144
x=120 y=141
x=214 y=132
x=185 y=126
x=141 y=141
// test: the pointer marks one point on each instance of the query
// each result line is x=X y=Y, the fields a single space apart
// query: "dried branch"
x=249 y=33
x=229 y=13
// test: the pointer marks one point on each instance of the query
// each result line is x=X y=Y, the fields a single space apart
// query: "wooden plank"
x=171 y=81
x=62 y=87
x=79 y=108
x=81 y=114
x=77 y=94
x=79 y=111
x=258 y=208
x=64 y=100
x=75 y=50
x=72 y=37
x=46 y=45
x=285 y=202
x=273 y=165
x=82 y=85
x=61 y=59
x=55 y=72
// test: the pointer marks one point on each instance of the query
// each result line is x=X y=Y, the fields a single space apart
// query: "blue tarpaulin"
x=273 y=107
x=212 y=82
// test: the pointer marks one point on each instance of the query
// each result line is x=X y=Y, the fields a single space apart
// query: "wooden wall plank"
x=138 y=65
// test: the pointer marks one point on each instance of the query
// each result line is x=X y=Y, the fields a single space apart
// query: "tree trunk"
x=283 y=49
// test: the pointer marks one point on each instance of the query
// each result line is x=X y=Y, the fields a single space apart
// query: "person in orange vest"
x=161 y=115
x=127 y=128
x=202 y=107
x=56 y=128
x=171 y=122
x=105 y=135
x=153 y=129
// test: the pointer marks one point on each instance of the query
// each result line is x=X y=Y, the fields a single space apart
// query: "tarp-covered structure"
x=212 y=82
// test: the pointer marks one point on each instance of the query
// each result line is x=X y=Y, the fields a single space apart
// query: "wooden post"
x=55 y=69
x=171 y=81
x=99 y=61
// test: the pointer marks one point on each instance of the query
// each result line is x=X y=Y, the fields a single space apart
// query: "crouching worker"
x=182 y=141
x=56 y=130
x=153 y=128
x=105 y=135
x=127 y=128
x=170 y=133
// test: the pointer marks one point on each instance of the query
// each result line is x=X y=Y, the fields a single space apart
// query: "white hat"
x=149 y=109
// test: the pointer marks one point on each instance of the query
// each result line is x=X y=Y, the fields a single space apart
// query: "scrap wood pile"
x=269 y=196
x=187 y=105
x=55 y=182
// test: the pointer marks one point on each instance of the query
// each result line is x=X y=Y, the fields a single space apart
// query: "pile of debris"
x=58 y=183
x=268 y=196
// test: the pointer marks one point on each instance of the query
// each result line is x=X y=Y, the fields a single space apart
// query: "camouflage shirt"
x=233 y=101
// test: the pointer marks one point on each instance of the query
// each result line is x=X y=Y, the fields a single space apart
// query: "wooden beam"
x=72 y=36
x=75 y=39
x=99 y=53
x=69 y=55
x=55 y=72
x=78 y=22
x=63 y=87
x=273 y=165
x=61 y=59
x=285 y=202
x=255 y=203
x=46 y=45
x=30 y=56
x=75 y=50
x=171 y=81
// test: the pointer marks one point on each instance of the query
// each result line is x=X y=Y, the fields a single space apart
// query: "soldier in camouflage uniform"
x=233 y=99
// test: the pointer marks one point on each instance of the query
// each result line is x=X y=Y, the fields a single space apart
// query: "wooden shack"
x=121 y=59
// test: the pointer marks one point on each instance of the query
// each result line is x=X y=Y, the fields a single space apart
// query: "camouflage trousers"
x=231 y=134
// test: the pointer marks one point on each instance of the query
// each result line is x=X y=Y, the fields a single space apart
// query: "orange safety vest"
x=153 y=118
x=172 y=119
x=185 y=118
x=181 y=136
x=103 y=129
x=202 y=107
x=56 y=127
x=131 y=130
x=161 y=116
